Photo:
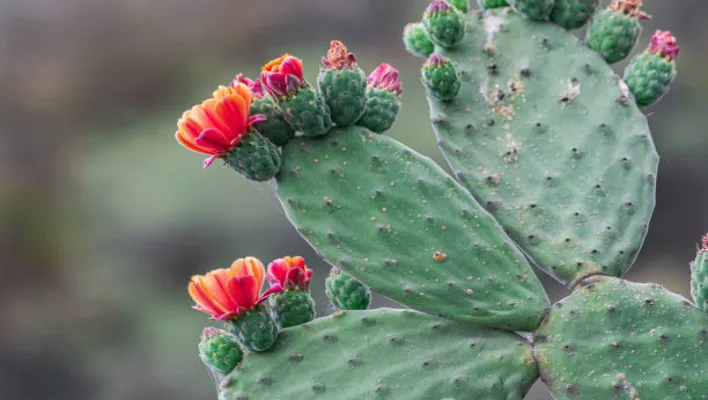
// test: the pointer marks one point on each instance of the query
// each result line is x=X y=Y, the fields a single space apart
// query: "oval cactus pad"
x=395 y=221
x=547 y=137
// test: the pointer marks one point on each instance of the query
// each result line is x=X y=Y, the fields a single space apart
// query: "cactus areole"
x=553 y=165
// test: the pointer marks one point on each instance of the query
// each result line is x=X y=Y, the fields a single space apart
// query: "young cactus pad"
x=395 y=221
x=386 y=354
x=544 y=134
x=613 y=339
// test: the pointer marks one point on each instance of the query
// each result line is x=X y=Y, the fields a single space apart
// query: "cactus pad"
x=395 y=221
x=613 y=339
x=544 y=134
x=340 y=357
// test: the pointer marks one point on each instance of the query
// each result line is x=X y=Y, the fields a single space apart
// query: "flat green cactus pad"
x=395 y=221
x=613 y=339
x=544 y=134
x=386 y=354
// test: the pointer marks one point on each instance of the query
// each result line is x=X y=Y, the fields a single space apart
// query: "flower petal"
x=212 y=140
x=292 y=66
x=274 y=65
x=233 y=110
x=270 y=291
x=244 y=290
x=190 y=145
x=256 y=118
x=204 y=302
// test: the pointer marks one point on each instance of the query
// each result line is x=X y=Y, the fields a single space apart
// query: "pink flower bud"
x=663 y=44
x=386 y=77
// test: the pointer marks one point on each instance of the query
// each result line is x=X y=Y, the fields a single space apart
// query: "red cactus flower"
x=704 y=245
x=663 y=44
x=283 y=76
x=289 y=273
x=386 y=77
x=228 y=293
x=218 y=124
x=256 y=86
x=338 y=57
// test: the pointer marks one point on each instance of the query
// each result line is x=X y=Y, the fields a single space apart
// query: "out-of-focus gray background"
x=105 y=217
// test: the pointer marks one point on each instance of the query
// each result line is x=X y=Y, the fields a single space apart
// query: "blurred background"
x=105 y=218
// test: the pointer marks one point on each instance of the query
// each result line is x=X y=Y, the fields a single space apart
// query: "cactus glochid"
x=553 y=165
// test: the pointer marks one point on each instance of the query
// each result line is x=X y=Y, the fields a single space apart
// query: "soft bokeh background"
x=104 y=217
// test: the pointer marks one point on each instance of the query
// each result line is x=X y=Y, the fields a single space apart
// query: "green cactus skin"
x=699 y=278
x=561 y=157
x=275 y=128
x=441 y=79
x=386 y=354
x=416 y=40
x=219 y=350
x=461 y=5
x=255 y=330
x=292 y=308
x=535 y=10
x=613 y=35
x=256 y=157
x=396 y=222
x=613 y=339
x=345 y=292
x=486 y=4
x=445 y=28
x=649 y=77
x=306 y=111
x=381 y=110
x=345 y=93
x=573 y=14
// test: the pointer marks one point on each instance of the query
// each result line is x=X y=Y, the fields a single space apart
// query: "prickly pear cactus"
x=556 y=166
x=577 y=197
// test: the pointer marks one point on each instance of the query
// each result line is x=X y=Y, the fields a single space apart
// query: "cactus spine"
x=555 y=165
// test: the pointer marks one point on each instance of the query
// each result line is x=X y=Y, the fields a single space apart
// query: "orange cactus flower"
x=283 y=76
x=230 y=292
x=289 y=273
x=219 y=124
